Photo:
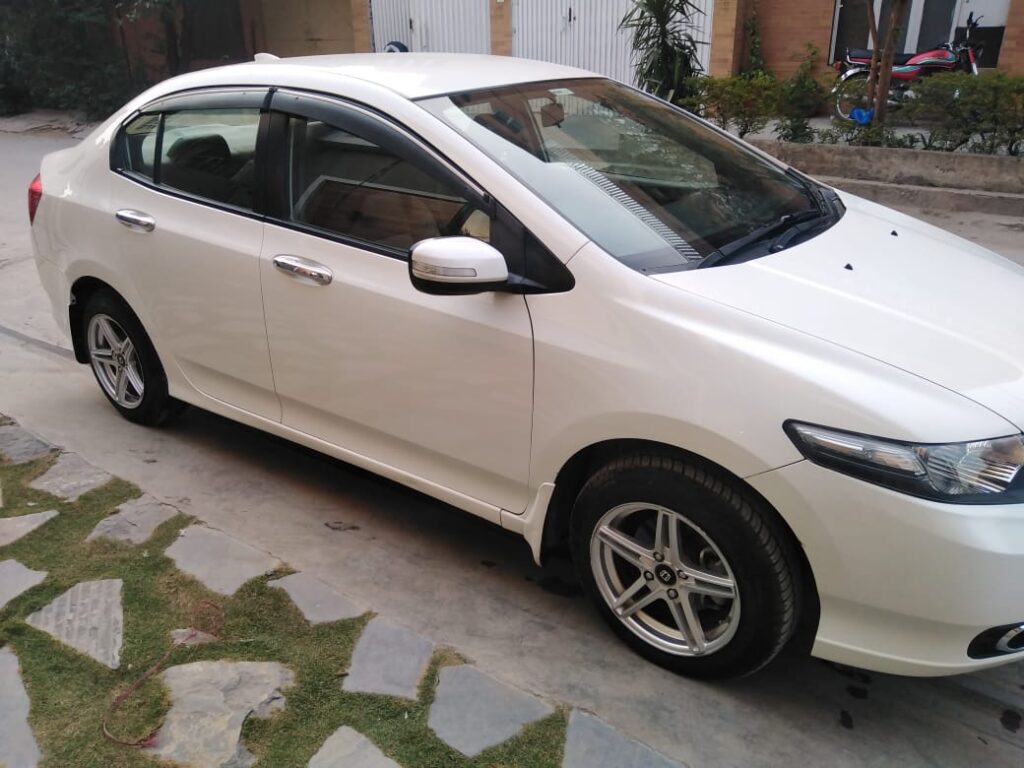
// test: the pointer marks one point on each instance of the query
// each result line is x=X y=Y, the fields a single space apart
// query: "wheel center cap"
x=120 y=360
x=665 y=574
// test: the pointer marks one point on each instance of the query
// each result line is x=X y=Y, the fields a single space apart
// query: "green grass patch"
x=70 y=692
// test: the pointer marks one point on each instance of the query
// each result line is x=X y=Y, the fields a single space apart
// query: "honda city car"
x=752 y=408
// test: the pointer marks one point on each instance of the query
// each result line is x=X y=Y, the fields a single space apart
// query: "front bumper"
x=905 y=584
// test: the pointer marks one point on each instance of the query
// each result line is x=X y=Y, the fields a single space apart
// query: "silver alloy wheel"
x=115 y=361
x=665 y=579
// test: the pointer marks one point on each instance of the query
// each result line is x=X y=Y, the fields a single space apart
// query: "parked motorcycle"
x=850 y=91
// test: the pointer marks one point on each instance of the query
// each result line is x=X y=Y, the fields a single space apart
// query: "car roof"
x=416 y=75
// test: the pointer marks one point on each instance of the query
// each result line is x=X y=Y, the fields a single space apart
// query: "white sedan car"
x=754 y=410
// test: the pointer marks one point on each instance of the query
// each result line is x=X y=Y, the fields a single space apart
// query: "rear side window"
x=204 y=153
x=211 y=153
x=139 y=146
x=347 y=185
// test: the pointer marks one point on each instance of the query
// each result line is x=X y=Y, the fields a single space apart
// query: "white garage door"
x=457 y=26
x=586 y=34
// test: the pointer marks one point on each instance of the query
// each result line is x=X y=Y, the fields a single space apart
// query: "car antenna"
x=265 y=58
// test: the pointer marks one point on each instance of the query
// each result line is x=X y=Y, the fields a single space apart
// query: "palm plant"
x=664 y=53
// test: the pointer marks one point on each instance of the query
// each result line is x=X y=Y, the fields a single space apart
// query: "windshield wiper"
x=786 y=227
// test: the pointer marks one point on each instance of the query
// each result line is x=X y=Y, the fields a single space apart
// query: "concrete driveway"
x=472 y=586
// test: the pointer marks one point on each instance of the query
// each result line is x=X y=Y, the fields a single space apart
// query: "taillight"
x=35 y=194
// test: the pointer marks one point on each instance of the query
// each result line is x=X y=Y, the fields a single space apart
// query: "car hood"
x=897 y=290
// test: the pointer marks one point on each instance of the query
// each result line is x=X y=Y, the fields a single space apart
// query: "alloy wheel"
x=665 y=579
x=115 y=361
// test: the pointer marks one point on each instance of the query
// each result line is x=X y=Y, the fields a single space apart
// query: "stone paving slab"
x=70 y=477
x=221 y=562
x=18 y=748
x=592 y=743
x=210 y=700
x=13 y=528
x=318 y=603
x=134 y=521
x=348 y=748
x=15 y=579
x=189 y=637
x=19 y=445
x=389 y=660
x=473 y=711
x=88 y=617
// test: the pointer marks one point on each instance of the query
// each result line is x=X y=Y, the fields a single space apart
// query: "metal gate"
x=586 y=34
x=456 y=26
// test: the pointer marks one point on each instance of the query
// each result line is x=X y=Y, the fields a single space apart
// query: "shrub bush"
x=744 y=103
x=960 y=111
x=799 y=98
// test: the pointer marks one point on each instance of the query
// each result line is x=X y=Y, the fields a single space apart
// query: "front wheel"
x=124 y=361
x=848 y=95
x=685 y=566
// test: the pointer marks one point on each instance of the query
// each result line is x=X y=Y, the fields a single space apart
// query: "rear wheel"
x=850 y=94
x=124 y=361
x=687 y=569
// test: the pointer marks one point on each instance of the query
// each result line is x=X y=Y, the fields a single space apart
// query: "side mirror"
x=456 y=266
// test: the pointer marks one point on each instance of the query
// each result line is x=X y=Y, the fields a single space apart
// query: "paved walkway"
x=210 y=700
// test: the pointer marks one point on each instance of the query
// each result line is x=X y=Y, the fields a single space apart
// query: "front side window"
x=653 y=186
x=346 y=185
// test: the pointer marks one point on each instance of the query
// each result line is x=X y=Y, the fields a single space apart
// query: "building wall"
x=786 y=26
x=728 y=44
x=306 y=27
x=501 y=27
x=1011 y=55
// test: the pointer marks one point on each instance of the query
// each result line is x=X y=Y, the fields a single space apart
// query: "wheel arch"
x=581 y=465
x=81 y=290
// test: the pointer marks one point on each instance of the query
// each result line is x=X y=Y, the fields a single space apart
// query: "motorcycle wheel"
x=848 y=95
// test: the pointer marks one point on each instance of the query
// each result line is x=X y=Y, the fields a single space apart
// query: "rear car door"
x=439 y=388
x=186 y=215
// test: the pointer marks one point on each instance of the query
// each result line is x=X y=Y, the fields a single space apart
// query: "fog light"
x=997 y=641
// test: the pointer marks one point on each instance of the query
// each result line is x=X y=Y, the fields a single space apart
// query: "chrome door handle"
x=303 y=268
x=137 y=220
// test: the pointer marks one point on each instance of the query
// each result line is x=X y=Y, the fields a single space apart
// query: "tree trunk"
x=873 y=70
x=885 y=70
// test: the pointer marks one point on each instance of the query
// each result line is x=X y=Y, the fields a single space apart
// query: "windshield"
x=653 y=186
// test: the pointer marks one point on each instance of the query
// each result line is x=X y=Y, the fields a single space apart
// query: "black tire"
x=754 y=544
x=156 y=406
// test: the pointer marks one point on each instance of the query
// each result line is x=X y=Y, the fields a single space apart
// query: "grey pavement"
x=473 y=711
x=591 y=743
x=14 y=528
x=70 y=477
x=88 y=617
x=388 y=659
x=318 y=603
x=220 y=562
x=210 y=701
x=17 y=445
x=348 y=748
x=16 y=579
x=18 y=748
x=134 y=522
x=471 y=586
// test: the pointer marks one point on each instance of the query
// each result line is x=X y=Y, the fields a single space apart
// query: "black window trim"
x=219 y=97
x=271 y=162
x=368 y=122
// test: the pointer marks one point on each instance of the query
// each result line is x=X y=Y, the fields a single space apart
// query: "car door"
x=185 y=216
x=435 y=390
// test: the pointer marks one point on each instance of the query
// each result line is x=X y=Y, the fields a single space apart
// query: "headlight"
x=978 y=472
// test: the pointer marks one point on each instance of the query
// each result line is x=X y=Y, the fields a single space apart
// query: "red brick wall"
x=501 y=27
x=1011 y=54
x=786 y=27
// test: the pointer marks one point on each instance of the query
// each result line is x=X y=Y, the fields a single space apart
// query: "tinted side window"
x=138 y=146
x=344 y=184
x=211 y=153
